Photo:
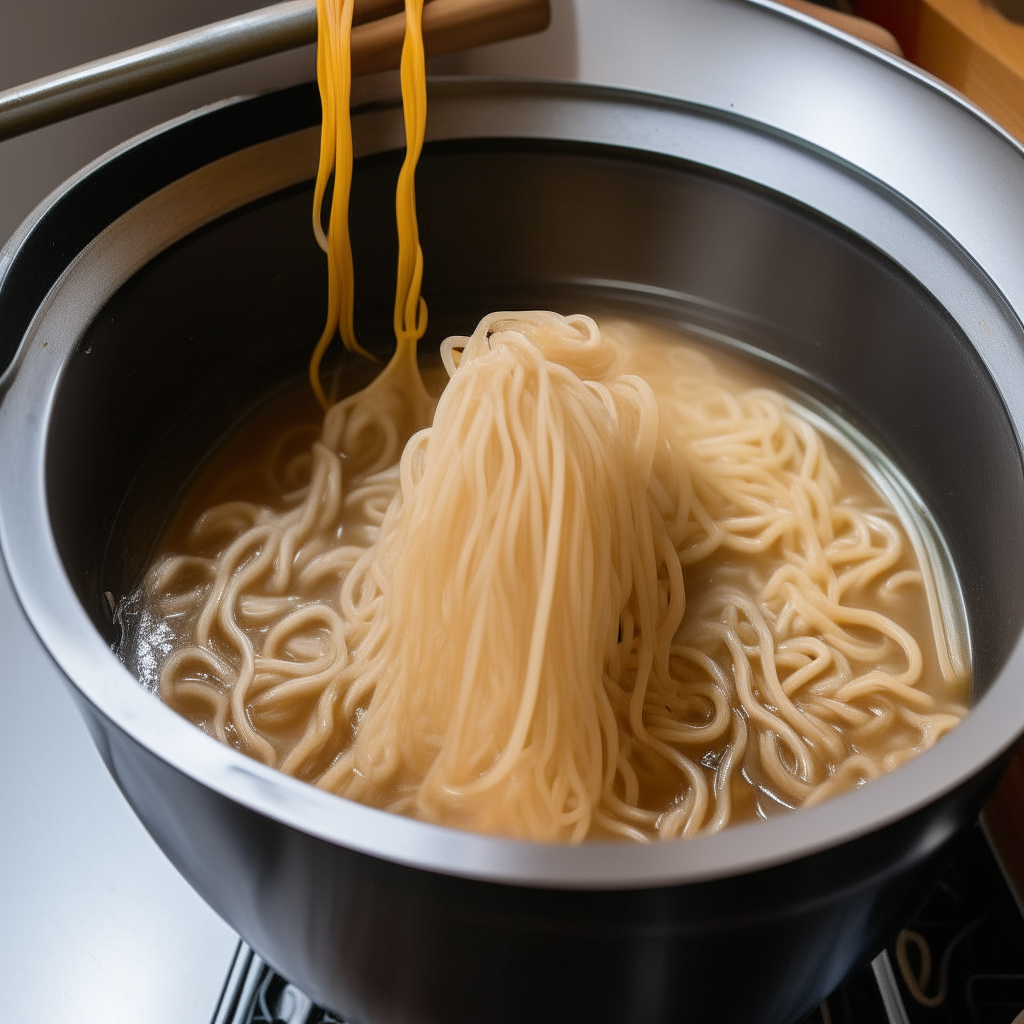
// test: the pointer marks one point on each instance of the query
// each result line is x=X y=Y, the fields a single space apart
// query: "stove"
x=960 y=961
x=255 y=994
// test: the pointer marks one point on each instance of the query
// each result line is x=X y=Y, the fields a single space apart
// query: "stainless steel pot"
x=190 y=247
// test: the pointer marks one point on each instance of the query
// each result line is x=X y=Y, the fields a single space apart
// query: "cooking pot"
x=150 y=303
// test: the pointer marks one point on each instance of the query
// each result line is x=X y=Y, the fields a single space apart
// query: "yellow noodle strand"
x=334 y=74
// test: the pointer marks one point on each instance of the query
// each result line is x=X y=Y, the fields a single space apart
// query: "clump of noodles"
x=482 y=673
x=484 y=622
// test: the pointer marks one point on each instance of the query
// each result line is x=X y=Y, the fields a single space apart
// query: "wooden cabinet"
x=977 y=46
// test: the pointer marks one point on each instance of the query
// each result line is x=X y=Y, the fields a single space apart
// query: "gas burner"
x=960 y=961
x=256 y=994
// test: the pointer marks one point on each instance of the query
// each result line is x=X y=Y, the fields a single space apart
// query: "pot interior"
x=200 y=291
x=202 y=333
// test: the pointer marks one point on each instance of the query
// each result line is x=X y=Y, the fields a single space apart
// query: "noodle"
x=600 y=590
x=588 y=600
x=334 y=73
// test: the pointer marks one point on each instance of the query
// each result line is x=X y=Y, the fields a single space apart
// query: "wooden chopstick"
x=448 y=25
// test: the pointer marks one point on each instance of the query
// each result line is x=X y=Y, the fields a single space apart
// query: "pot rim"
x=66 y=630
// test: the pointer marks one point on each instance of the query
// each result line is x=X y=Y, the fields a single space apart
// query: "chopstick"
x=448 y=25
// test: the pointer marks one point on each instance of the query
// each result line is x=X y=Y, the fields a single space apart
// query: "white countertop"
x=98 y=928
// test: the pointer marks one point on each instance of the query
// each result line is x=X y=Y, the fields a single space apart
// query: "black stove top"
x=960 y=961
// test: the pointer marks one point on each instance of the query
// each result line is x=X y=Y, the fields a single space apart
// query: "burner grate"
x=278 y=1002
x=960 y=961
x=256 y=994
